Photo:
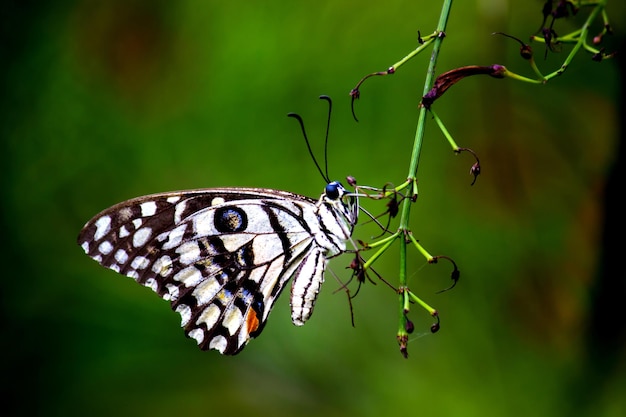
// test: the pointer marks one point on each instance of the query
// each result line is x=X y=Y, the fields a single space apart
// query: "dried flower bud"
x=409 y=326
x=526 y=52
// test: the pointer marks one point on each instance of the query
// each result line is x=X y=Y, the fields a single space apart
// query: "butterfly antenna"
x=308 y=145
x=330 y=108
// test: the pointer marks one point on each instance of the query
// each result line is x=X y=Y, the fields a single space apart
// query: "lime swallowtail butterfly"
x=222 y=256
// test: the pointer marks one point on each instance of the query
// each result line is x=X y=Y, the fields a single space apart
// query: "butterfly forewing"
x=222 y=256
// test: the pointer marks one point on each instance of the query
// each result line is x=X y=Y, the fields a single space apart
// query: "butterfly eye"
x=332 y=190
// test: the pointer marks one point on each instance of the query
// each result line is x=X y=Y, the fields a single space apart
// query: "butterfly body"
x=222 y=256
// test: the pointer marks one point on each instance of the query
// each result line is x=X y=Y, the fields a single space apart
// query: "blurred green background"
x=104 y=101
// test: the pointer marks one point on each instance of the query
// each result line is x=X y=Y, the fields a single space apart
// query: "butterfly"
x=222 y=256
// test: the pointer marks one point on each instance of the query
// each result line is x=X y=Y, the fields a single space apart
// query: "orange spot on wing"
x=252 y=321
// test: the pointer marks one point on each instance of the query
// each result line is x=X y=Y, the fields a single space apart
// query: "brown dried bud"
x=448 y=79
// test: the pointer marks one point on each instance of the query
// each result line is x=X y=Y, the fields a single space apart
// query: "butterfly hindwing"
x=221 y=256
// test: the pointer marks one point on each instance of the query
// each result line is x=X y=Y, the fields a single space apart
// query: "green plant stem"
x=403 y=292
x=421 y=128
x=426 y=42
x=445 y=132
x=380 y=251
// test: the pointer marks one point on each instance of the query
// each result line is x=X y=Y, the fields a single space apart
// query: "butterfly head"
x=342 y=201
x=334 y=190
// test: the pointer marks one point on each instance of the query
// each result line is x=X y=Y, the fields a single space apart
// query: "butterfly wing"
x=220 y=256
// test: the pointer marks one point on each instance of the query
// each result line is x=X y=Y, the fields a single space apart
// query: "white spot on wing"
x=152 y=284
x=185 y=315
x=232 y=319
x=103 y=225
x=121 y=256
x=203 y=224
x=218 y=343
x=162 y=266
x=148 y=208
x=174 y=238
x=141 y=236
x=205 y=292
x=124 y=231
x=209 y=316
x=140 y=262
x=197 y=334
x=217 y=201
x=189 y=276
x=172 y=292
x=189 y=252
x=178 y=212
x=173 y=199
x=105 y=247
x=257 y=274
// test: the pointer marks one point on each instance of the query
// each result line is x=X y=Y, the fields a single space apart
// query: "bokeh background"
x=104 y=101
